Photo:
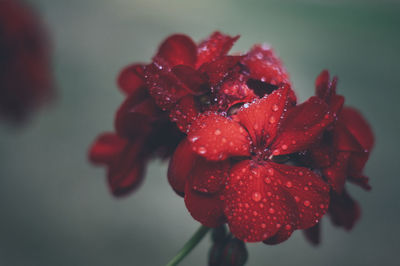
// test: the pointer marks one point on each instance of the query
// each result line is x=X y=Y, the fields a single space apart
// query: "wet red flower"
x=143 y=132
x=25 y=75
x=228 y=171
x=341 y=155
x=188 y=79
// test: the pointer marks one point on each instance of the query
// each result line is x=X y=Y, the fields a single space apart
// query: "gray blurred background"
x=56 y=208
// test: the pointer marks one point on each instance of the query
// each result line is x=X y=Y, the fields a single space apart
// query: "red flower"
x=228 y=172
x=341 y=155
x=188 y=79
x=25 y=75
x=143 y=131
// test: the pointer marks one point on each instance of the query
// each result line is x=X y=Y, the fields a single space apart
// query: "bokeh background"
x=56 y=208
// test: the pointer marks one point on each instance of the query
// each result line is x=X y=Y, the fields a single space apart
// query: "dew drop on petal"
x=202 y=150
x=217 y=132
x=306 y=203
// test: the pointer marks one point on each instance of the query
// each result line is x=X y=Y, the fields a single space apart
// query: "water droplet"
x=307 y=203
x=223 y=140
x=193 y=139
x=301 y=173
x=284 y=147
x=255 y=213
x=272 y=119
x=256 y=196
x=275 y=107
x=202 y=150
x=217 y=132
x=263 y=225
x=289 y=184
x=296 y=198
x=271 y=171
x=267 y=180
x=288 y=227
x=271 y=210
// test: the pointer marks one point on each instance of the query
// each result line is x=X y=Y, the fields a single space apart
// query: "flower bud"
x=235 y=253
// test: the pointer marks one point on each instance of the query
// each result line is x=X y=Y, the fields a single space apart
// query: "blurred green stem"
x=190 y=244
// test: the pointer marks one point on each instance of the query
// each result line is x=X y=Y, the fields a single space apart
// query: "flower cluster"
x=243 y=151
x=25 y=76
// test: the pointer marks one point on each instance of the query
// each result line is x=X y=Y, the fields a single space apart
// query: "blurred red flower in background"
x=25 y=72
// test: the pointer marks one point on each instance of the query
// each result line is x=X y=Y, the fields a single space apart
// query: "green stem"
x=190 y=244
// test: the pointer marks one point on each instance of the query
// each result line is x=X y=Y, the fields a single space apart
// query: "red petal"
x=337 y=173
x=256 y=208
x=361 y=181
x=216 y=137
x=205 y=208
x=131 y=78
x=135 y=115
x=164 y=87
x=313 y=234
x=194 y=80
x=216 y=45
x=106 y=147
x=127 y=170
x=302 y=126
x=322 y=84
x=344 y=211
x=282 y=235
x=219 y=69
x=307 y=188
x=265 y=66
x=184 y=112
x=262 y=117
x=208 y=176
x=358 y=127
x=180 y=166
x=177 y=49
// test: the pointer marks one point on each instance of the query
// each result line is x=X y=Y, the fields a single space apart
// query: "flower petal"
x=216 y=137
x=127 y=170
x=256 y=206
x=106 y=147
x=193 y=80
x=352 y=124
x=131 y=78
x=282 y=235
x=262 y=117
x=313 y=234
x=208 y=176
x=164 y=86
x=177 y=49
x=184 y=112
x=216 y=45
x=337 y=173
x=205 y=208
x=307 y=188
x=136 y=114
x=180 y=166
x=220 y=68
x=265 y=65
x=302 y=126
x=344 y=211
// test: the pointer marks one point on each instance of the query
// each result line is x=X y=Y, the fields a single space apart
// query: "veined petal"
x=307 y=188
x=194 y=81
x=215 y=46
x=216 y=137
x=177 y=49
x=302 y=126
x=262 y=117
x=209 y=176
x=220 y=68
x=256 y=206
